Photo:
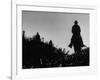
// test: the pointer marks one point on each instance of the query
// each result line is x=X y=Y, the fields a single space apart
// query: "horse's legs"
x=77 y=49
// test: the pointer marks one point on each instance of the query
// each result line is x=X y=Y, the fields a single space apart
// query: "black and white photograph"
x=55 y=39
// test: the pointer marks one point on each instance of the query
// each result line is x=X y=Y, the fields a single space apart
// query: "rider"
x=76 y=40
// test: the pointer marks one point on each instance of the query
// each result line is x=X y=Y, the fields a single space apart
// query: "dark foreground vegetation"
x=39 y=54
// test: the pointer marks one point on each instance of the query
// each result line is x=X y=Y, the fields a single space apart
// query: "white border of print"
x=16 y=70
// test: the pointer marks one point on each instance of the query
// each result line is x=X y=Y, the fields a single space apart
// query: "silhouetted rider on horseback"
x=76 y=40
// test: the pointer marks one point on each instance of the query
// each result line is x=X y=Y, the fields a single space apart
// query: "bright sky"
x=55 y=26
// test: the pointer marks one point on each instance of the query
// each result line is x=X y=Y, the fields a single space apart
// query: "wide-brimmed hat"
x=75 y=21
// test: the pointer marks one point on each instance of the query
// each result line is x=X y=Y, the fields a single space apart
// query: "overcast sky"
x=55 y=26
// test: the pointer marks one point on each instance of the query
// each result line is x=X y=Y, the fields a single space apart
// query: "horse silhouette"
x=76 y=40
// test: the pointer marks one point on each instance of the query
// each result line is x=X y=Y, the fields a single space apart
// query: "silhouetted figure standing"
x=76 y=40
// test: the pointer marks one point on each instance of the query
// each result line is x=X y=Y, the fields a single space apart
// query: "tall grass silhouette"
x=39 y=54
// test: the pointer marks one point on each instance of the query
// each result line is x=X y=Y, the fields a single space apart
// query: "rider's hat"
x=75 y=21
